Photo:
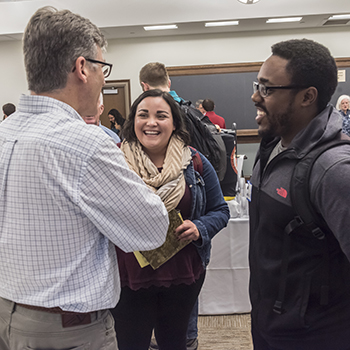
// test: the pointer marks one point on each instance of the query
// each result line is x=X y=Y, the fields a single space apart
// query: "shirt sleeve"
x=118 y=202
x=217 y=213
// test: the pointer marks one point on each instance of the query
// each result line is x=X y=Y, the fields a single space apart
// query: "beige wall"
x=12 y=74
x=129 y=55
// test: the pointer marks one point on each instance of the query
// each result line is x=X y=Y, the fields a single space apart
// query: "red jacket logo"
x=282 y=192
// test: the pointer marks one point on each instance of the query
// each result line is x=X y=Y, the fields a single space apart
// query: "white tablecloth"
x=225 y=289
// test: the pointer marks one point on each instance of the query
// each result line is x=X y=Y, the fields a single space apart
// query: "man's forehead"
x=274 y=71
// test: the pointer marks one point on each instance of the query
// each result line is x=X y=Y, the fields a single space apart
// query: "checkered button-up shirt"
x=66 y=197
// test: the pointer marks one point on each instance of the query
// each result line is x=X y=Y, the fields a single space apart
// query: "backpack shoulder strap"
x=197 y=162
x=307 y=217
x=185 y=103
x=300 y=192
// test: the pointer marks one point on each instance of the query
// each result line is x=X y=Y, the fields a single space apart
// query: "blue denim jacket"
x=209 y=211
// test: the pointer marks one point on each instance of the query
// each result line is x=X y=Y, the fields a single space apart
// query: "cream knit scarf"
x=170 y=184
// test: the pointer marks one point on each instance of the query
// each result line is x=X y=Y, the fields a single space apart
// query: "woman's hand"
x=187 y=231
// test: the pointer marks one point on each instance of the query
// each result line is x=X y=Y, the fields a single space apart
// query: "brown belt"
x=69 y=318
x=52 y=310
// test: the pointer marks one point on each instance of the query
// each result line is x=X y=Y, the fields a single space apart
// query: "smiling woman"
x=153 y=127
x=155 y=147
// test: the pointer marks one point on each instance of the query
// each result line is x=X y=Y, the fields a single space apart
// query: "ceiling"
x=126 y=18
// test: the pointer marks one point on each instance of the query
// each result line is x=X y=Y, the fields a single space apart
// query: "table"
x=225 y=289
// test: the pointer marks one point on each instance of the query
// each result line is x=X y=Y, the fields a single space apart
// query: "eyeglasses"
x=264 y=90
x=106 y=67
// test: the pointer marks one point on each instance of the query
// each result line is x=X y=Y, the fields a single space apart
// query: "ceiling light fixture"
x=222 y=24
x=248 y=2
x=347 y=16
x=284 y=20
x=162 y=27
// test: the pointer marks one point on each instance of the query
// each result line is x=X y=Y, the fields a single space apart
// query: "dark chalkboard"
x=231 y=93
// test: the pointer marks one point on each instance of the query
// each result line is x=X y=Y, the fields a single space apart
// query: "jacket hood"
x=324 y=127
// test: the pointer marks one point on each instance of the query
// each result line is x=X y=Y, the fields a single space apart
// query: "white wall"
x=12 y=74
x=129 y=55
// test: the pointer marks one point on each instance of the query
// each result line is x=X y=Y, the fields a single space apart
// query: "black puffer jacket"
x=304 y=324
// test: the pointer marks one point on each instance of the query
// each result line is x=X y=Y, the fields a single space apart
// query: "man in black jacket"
x=300 y=285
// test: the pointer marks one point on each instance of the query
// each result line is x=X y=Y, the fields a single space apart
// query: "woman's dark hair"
x=128 y=132
x=118 y=118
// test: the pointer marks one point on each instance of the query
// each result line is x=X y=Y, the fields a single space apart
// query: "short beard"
x=283 y=124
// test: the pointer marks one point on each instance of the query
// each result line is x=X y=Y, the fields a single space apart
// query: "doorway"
x=116 y=94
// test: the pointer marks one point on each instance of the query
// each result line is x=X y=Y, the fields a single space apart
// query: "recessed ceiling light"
x=284 y=20
x=221 y=24
x=347 y=16
x=163 y=27
x=248 y=2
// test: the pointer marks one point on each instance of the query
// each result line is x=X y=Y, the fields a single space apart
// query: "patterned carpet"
x=225 y=332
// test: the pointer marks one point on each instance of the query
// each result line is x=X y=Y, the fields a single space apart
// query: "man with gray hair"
x=199 y=106
x=67 y=197
x=95 y=120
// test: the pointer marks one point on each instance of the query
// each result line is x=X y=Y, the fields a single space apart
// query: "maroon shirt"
x=184 y=267
x=216 y=119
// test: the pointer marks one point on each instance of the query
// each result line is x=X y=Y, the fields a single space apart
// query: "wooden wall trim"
x=343 y=62
x=232 y=68
x=215 y=68
x=248 y=136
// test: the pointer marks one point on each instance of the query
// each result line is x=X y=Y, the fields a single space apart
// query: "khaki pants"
x=24 y=329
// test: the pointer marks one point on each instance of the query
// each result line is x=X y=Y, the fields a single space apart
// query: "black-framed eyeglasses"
x=106 y=67
x=264 y=90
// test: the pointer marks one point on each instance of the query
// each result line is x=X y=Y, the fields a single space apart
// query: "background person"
x=8 y=109
x=117 y=121
x=155 y=147
x=208 y=106
x=67 y=197
x=199 y=106
x=343 y=107
x=95 y=120
x=312 y=312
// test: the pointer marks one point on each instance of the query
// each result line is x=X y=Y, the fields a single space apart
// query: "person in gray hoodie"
x=294 y=87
